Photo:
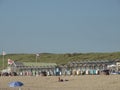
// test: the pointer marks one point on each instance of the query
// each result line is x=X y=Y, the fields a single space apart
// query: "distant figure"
x=60 y=80
x=66 y=80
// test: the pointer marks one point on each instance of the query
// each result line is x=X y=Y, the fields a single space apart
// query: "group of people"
x=61 y=80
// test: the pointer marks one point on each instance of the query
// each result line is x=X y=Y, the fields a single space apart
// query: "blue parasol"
x=15 y=84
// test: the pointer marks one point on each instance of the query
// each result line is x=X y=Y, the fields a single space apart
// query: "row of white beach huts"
x=71 y=68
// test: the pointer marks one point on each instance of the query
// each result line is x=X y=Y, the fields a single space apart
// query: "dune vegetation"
x=59 y=58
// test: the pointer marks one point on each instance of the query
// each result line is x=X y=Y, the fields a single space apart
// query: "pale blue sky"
x=59 y=26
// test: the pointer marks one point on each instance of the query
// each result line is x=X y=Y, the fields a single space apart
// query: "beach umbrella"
x=16 y=84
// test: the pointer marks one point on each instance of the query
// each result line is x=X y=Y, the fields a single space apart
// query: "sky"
x=59 y=26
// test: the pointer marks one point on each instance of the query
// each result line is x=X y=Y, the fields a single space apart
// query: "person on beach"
x=60 y=80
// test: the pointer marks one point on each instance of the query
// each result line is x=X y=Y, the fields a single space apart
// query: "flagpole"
x=3 y=62
x=36 y=58
x=3 y=53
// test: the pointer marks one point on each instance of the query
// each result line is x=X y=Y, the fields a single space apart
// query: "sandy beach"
x=86 y=82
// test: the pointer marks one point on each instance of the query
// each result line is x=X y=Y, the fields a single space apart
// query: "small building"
x=92 y=67
x=118 y=66
x=33 y=68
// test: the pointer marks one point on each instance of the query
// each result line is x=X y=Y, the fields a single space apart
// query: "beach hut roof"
x=33 y=64
x=93 y=62
x=18 y=63
x=39 y=64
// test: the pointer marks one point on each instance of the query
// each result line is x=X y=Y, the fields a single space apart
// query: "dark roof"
x=93 y=62
x=18 y=63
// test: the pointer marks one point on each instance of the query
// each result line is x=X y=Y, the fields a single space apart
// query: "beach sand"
x=85 y=82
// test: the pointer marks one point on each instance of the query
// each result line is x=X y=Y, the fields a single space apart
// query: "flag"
x=3 y=53
x=10 y=61
x=37 y=55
